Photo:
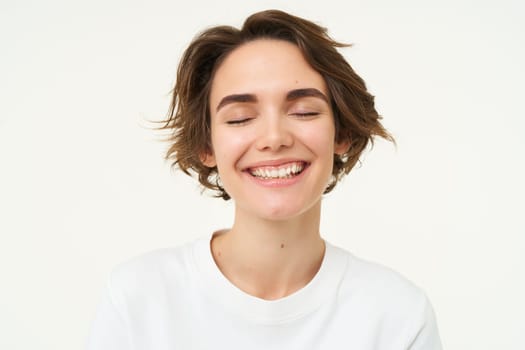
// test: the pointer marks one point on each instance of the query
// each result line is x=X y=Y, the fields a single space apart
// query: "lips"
x=283 y=171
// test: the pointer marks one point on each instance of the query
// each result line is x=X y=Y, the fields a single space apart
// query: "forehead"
x=265 y=68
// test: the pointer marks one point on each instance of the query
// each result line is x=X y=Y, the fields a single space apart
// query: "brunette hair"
x=355 y=117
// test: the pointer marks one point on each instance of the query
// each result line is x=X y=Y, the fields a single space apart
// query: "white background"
x=83 y=184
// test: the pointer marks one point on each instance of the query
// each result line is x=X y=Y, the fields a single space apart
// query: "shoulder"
x=374 y=297
x=370 y=278
x=150 y=273
x=387 y=299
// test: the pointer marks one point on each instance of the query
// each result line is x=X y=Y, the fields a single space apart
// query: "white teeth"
x=278 y=173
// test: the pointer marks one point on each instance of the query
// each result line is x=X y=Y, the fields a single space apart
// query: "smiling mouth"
x=286 y=171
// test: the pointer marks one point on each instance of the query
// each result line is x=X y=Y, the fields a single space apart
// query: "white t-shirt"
x=178 y=299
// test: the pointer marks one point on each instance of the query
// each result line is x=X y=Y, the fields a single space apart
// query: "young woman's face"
x=272 y=130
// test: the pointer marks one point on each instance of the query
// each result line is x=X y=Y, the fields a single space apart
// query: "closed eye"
x=306 y=114
x=238 y=121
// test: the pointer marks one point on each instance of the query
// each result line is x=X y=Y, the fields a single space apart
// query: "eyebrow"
x=310 y=92
x=290 y=96
x=237 y=98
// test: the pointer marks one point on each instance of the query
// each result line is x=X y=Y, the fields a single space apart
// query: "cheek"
x=228 y=145
x=320 y=138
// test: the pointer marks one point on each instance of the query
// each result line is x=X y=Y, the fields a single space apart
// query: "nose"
x=274 y=134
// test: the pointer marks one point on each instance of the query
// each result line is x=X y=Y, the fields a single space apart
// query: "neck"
x=267 y=258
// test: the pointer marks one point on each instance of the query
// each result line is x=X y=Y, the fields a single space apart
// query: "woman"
x=271 y=116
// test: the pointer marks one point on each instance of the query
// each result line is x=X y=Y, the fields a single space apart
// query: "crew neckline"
x=320 y=289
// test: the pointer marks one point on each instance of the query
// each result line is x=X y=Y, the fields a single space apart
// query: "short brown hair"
x=355 y=117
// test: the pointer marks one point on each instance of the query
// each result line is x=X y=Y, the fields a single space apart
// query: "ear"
x=341 y=148
x=208 y=159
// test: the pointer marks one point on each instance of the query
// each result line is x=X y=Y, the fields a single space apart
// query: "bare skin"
x=270 y=260
x=270 y=111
